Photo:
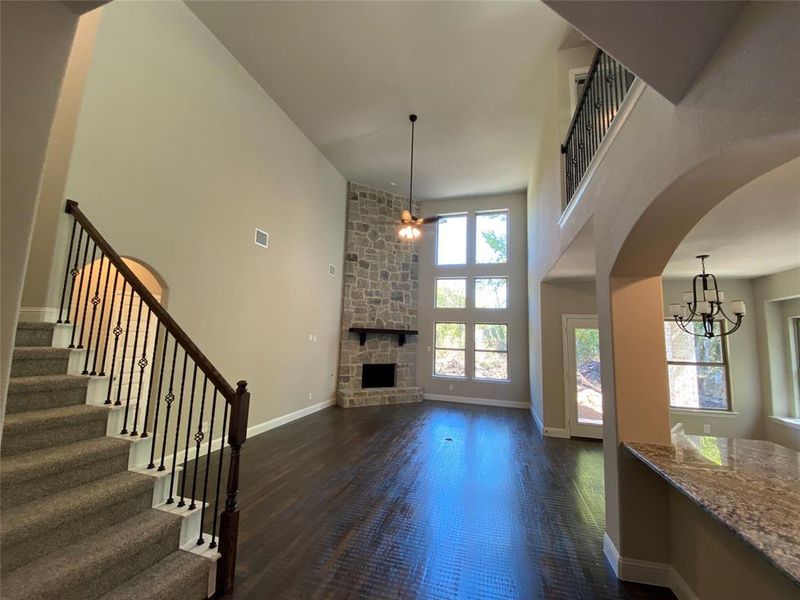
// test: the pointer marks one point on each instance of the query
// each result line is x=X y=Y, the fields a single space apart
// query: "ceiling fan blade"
x=428 y=220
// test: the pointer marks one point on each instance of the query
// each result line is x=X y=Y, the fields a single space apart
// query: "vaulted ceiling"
x=349 y=73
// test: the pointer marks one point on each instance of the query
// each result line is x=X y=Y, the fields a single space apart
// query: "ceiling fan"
x=411 y=223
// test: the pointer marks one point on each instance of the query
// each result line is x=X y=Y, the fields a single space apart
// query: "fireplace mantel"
x=400 y=333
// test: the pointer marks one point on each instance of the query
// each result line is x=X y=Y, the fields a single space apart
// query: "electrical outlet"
x=315 y=337
x=450 y=387
x=706 y=428
x=310 y=337
x=310 y=396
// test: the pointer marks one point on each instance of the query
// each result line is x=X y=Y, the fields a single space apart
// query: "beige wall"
x=775 y=299
x=716 y=564
x=559 y=298
x=746 y=420
x=667 y=167
x=36 y=38
x=178 y=156
x=516 y=390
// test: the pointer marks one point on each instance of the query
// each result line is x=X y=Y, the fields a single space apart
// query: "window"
x=698 y=369
x=491 y=237
x=450 y=350
x=451 y=240
x=796 y=328
x=451 y=293
x=491 y=351
x=491 y=292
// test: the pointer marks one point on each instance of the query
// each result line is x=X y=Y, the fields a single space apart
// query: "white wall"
x=515 y=390
x=746 y=418
x=178 y=156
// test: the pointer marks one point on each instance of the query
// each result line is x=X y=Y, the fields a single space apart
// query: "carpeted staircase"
x=75 y=522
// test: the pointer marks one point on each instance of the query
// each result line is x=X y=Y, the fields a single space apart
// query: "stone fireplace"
x=380 y=292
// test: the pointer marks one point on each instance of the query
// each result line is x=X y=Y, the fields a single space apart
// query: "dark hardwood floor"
x=425 y=501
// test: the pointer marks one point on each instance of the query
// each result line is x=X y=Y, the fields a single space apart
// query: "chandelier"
x=705 y=301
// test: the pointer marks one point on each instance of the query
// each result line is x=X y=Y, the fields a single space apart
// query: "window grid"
x=454 y=351
x=486 y=350
x=700 y=364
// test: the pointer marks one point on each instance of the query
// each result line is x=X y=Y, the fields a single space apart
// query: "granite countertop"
x=750 y=486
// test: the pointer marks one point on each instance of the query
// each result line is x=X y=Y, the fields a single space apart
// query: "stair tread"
x=37 y=383
x=33 y=352
x=36 y=419
x=35 y=325
x=40 y=463
x=34 y=518
x=169 y=579
x=72 y=566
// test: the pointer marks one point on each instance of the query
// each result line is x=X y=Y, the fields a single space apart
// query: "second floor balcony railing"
x=607 y=83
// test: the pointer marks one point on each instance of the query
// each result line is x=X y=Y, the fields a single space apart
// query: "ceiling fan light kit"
x=705 y=301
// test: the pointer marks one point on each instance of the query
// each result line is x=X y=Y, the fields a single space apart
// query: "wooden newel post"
x=229 y=520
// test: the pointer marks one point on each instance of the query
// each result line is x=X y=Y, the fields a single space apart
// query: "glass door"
x=582 y=365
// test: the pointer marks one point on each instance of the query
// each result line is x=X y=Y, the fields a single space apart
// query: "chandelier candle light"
x=705 y=301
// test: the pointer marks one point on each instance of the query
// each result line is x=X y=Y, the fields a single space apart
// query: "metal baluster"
x=188 y=433
x=100 y=322
x=117 y=332
x=151 y=464
x=133 y=364
x=213 y=543
x=74 y=273
x=601 y=88
x=124 y=349
x=198 y=440
x=66 y=274
x=150 y=386
x=94 y=301
x=88 y=291
x=170 y=499
x=142 y=366
x=169 y=399
x=80 y=292
x=200 y=539
x=109 y=331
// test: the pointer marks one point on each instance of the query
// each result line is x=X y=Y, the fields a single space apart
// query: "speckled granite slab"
x=750 y=486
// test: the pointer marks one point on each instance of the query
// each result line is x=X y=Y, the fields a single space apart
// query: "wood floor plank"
x=419 y=501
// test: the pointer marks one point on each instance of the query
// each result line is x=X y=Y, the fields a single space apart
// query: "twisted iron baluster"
x=168 y=399
x=213 y=543
x=80 y=292
x=200 y=539
x=151 y=464
x=170 y=500
x=117 y=331
x=94 y=301
x=100 y=323
x=66 y=274
x=198 y=440
x=142 y=366
x=188 y=433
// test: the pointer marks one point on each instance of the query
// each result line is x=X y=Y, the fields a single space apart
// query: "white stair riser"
x=97 y=390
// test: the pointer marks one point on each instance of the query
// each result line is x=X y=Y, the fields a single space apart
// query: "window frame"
x=725 y=364
x=491 y=211
x=507 y=352
x=436 y=347
x=475 y=291
x=436 y=280
x=466 y=262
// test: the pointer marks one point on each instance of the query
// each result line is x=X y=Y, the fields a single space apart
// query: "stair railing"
x=97 y=276
x=607 y=83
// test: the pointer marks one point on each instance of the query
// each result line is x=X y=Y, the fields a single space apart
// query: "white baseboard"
x=38 y=314
x=292 y=416
x=254 y=430
x=647 y=572
x=481 y=401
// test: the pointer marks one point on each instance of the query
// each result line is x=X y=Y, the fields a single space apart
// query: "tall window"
x=491 y=351
x=491 y=237
x=698 y=369
x=451 y=240
x=450 y=350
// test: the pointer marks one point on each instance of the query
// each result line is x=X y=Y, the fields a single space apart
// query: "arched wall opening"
x=635 y=361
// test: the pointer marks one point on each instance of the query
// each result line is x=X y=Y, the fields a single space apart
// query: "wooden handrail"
x=200 y=359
